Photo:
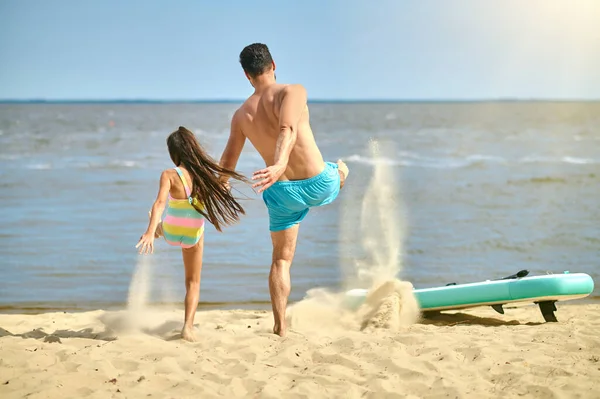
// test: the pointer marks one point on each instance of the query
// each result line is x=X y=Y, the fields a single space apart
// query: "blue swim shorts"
x=288 y=202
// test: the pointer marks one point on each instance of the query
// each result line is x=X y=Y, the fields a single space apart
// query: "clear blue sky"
x=386 y=49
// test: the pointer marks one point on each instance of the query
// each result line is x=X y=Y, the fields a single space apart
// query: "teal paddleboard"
x=544 y=290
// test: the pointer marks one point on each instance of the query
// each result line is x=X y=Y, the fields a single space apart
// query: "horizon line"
x=316 y=100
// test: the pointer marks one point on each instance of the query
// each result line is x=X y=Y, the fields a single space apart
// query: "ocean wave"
x=113 y=164
x=404 y=159
x=423 y=162
x=564 y=159
x=416 y=160
x=372 y=161
x=125 y=163
x=39 y=166
x=211 y=133
x=9 y=157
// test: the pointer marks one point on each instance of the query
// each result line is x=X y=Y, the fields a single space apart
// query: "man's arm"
x=293 y=104
x=234 y=146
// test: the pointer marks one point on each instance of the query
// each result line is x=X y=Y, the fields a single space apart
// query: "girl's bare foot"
x=187 y=334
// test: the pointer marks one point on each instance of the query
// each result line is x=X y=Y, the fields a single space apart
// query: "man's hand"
x=269 y=175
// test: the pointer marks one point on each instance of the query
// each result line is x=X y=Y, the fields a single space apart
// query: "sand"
x=476 y=354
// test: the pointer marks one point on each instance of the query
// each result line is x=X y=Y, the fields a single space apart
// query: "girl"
x=188 y=205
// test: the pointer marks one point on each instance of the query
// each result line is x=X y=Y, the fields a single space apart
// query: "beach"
x=468 y=354
x=467 y=136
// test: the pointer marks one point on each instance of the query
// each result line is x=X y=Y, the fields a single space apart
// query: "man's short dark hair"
x=256 y=59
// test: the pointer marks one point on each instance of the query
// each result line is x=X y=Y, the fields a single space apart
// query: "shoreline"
x=33 y=308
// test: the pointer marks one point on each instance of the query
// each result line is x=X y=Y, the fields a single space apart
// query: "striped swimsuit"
x=183 y=224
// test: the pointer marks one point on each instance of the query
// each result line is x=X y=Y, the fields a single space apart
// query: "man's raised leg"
x=343 y=171
x=284 y=247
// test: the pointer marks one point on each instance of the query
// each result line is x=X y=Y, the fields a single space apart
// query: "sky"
x=346 y=50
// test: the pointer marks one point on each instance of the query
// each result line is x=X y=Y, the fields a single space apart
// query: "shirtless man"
x=276 y=121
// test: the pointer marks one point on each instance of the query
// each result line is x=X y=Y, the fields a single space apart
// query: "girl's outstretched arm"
x=147 y=239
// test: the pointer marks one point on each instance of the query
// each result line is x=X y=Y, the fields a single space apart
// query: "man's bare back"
x=258 y=119
x=296 y=178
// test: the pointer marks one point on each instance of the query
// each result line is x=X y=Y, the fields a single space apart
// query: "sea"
x=487 y=189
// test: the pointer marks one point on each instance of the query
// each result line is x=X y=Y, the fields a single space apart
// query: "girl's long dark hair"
x=220 y=205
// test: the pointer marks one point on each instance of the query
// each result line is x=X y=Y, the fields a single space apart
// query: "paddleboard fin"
x=548 y=308
x=498 y=308
x=519 y=274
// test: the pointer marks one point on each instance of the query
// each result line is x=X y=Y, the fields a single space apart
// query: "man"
x=275 y=119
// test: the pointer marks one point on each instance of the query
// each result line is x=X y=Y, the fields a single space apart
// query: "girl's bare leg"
x=192 y=262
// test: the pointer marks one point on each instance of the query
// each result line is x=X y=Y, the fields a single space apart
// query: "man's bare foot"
x=281 y=331
x=344 y=171
x=188 y=334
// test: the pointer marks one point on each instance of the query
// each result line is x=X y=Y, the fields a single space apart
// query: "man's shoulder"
x=292 y=89
x=247 y=104
x=286 y=87
x=295 y=86
x=240 y=110
x=240 y=114
x=237 y=112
